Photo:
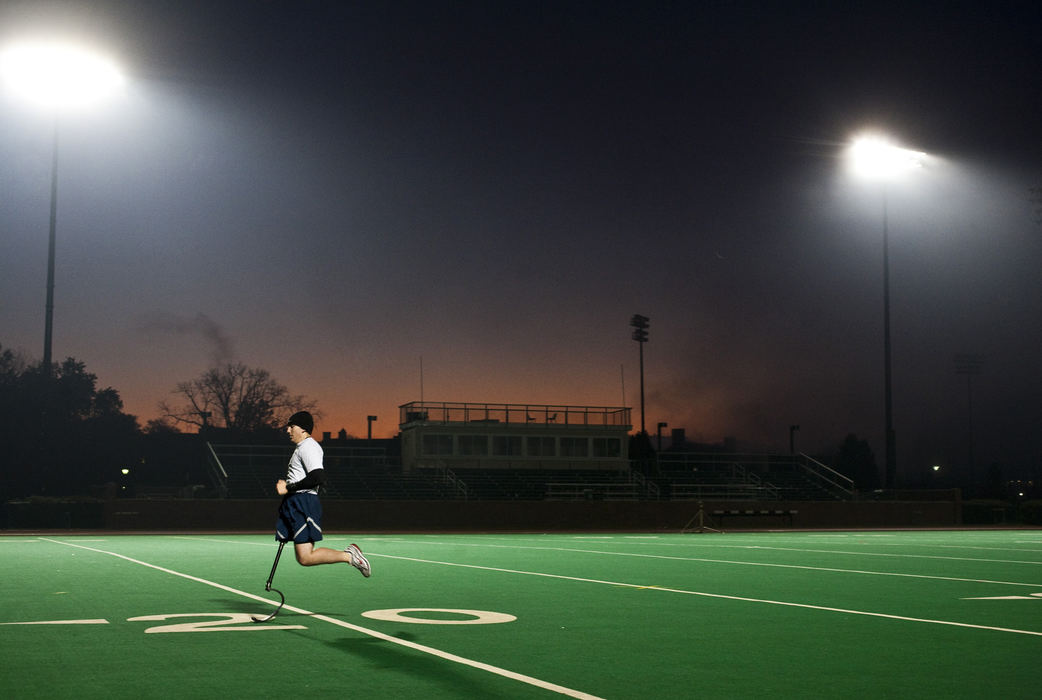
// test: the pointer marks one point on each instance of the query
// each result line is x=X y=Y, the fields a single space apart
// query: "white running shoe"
x=357 y=560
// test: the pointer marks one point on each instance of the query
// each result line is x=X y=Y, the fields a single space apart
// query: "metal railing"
x=828 y=477
x=513 y=414
x=217 y=473
x=755 y=479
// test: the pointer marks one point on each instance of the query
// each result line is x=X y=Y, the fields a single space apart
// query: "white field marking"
x=30 y=539
x=688 y=543
x=225 y=622
x=512 y=675
x=271 y=542
x=859 y=572
x=940 y=546
x=986 y=548
x=1032 y=596
x=866 y=554
x=267 y=543
x=477 y=617
x=891 y=554
x=59 y=622
x=722 y=596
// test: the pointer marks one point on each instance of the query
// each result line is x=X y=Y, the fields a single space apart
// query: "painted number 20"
x=226 y=622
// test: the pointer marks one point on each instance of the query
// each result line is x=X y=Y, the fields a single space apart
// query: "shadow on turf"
x=386 y=657
x=235 y=604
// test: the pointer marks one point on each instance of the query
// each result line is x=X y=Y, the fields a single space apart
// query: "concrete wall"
x=477 y=516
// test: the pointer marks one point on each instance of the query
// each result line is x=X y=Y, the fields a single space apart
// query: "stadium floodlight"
x=876 y=157
x=58 y=77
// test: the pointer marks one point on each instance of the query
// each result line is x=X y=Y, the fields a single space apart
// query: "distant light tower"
x=640 y=334
x=57 y=77
x=369 y=425
x=876 y=158
x=659 y=432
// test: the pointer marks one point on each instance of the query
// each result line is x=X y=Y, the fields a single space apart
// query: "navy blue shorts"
x=300 y=519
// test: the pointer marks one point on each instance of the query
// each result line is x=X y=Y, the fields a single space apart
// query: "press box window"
x=574 y=447
x=541 y=447
x=607 y=447
x=506 y=445
x=437 y=444
x=473 y=444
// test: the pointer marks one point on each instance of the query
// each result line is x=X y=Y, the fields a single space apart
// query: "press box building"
x=439 y=434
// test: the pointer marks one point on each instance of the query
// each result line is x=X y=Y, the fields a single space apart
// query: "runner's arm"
x=315 y=477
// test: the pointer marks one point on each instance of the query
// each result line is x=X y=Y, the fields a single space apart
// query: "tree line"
x=61 y=434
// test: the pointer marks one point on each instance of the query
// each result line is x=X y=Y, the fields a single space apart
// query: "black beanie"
x=303 y=420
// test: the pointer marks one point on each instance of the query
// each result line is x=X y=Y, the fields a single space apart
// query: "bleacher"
x=247 y=471
x=372 y=483
x=360 y=473
x=542 y=484
x=795 y=485
x=250 y=471
x=713 y=476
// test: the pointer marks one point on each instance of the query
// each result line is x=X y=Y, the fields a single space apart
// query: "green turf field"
x=758 y=615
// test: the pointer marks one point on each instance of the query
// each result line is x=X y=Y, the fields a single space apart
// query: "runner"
x=300 y=514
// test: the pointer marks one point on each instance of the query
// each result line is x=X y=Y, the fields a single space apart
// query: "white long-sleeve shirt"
x=306 y=458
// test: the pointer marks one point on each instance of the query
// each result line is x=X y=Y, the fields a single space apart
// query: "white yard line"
x=733 y=562
x=520 y=677
x=895 y=555
x=744 y=599
x=59 y=622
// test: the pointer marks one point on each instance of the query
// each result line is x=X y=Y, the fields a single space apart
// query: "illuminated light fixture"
x=877 y=157
x=56 y=75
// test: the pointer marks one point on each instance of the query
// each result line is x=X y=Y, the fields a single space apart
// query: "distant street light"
x=57 y=77
x=877 y=158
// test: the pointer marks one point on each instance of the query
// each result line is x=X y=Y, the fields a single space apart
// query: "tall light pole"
x=969 y=366
x=57 y=77
x=876 y=158
x=640 y=334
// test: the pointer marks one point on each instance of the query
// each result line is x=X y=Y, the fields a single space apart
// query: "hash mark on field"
x=59 y=622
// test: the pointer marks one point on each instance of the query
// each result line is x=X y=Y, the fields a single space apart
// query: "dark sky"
x=334 y=190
